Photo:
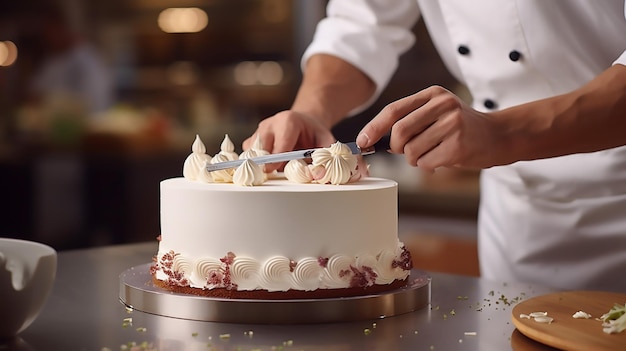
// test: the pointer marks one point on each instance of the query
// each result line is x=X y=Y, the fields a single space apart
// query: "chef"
x=547 y=123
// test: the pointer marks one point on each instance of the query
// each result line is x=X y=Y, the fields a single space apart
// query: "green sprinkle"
x=224 y=336
x=142 y=329
x=194 y=334
x=127 y=322
x=367 y=331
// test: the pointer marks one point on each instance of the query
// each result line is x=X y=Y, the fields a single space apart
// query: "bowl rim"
x=49 y=249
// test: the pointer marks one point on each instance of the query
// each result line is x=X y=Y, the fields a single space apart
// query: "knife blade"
x=381 y=145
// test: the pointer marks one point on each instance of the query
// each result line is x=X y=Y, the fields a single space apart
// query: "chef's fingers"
x=249 y=141
x=396 y=111
x=265 y=139
x=425 y=143
x=286 y=142
x=429 y=120
x=325 y=140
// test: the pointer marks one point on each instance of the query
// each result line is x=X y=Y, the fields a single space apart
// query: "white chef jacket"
x=560 y=222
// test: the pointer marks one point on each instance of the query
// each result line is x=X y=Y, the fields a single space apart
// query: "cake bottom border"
x=138 y=291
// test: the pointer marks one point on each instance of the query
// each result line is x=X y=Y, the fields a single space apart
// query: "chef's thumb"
x=371 y=133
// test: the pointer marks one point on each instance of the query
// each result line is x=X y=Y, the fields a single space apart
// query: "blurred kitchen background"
x=100 y=100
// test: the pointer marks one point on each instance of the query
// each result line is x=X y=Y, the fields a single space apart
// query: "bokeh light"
x=270 y=73
x=245 y=73
x=183 y=20
x=258 y=73
x=8 y=53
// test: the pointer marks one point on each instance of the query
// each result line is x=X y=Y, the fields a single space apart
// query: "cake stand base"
x=139 y=293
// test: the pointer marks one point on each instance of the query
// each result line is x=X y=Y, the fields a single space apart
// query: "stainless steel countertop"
x=84 y=313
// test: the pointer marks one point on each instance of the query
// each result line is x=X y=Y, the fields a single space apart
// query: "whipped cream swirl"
x=204 y=175
x=298 y=171
x=227 y=148
x=339 y=162
x=222 y=175
x=245 y=271
x=195 y=161
x=275 y=274
x=257 y=146
x=248 y=174
x=306 y=274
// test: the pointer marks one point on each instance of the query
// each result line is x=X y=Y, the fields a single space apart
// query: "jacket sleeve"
x=622 y=58
x=369 y=34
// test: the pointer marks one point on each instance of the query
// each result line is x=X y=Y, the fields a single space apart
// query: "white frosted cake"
x=280 y=239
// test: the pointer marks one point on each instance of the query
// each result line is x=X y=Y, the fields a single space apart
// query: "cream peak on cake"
x=227 y=148
x=196 y=160
x=258 y=147
x=248 y=174
x=222 y=175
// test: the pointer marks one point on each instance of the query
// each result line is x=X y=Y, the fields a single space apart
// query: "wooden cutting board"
x=566 y=332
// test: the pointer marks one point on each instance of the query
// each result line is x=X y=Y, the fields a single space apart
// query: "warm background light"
x=258 y=73
x=269 y=73
x=8 y=53
x=245 y=73
x=183 y=20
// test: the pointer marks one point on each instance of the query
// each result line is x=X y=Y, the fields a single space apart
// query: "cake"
x=287 y=236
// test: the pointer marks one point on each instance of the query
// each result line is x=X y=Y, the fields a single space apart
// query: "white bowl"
x=27 y=272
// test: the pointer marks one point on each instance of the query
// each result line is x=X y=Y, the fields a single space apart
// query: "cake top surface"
x=280 y=184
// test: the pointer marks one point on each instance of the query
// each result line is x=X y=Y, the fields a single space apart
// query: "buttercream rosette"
x=332 y=165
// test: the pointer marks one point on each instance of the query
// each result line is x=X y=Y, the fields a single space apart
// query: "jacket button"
x=490 y=104
x=463 y=50
x=515 y=55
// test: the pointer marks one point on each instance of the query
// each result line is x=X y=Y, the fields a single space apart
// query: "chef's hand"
x=434 y=128
x=288 y=131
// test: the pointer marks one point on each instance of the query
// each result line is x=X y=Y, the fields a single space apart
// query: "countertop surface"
x=84 y=313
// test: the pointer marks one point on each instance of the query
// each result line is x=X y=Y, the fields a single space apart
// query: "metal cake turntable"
x=138 y=292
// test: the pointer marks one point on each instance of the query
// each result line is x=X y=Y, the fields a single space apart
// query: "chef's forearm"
x=331 y=88
x=588 y=119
